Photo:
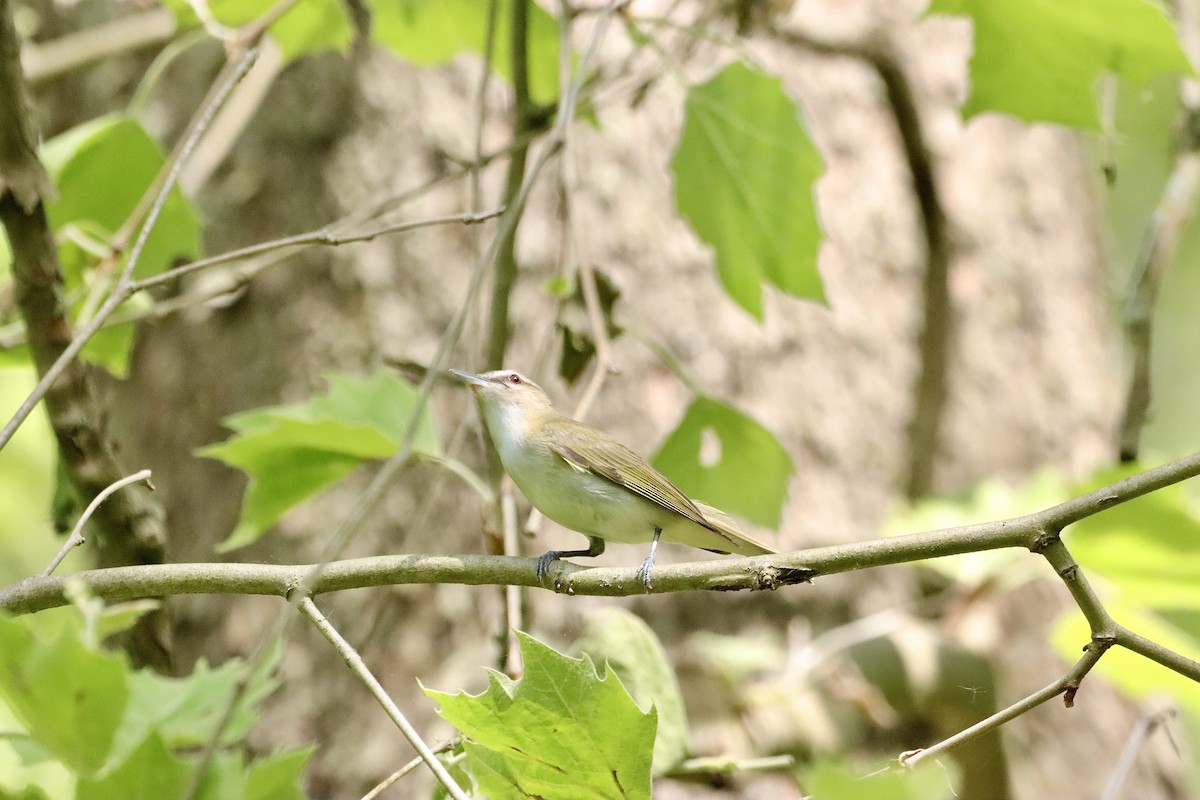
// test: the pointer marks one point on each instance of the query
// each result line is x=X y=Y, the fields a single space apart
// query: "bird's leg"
x=595 y=548
x=644 y=570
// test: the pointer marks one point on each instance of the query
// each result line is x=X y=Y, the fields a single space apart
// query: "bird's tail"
x=739 y=541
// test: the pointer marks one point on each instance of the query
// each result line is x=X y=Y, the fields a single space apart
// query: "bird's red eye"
x=515 y=379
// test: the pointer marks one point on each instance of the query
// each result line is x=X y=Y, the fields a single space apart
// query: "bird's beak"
x=469 y=378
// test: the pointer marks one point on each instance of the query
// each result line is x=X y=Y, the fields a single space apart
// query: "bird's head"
x=508 y=392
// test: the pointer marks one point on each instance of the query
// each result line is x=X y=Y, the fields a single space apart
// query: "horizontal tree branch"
x=760 y=572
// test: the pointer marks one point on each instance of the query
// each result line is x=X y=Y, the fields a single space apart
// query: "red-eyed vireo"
x=591 y=483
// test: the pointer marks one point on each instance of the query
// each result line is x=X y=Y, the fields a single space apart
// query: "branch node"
x=772 y=578
x=1043 y=540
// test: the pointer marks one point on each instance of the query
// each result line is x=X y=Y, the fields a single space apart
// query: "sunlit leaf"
x=101 y=169
x=308 y=27
x=432 y=32
x=68 y=697
x=292 y=452
x=1040 y=59
x=628 y=646
x=561 y=731
x=744 y=174
x=277 y=777
x=720 y=456
x=151 y=772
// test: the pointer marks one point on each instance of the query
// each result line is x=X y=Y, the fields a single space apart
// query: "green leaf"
x=561 y=731
x=101 y=169
x=151 y=772
x=1040 y=59
x=719 y=455
x=22 y=780
x=432 y=32
x=185 y=711
x=744 y=174
x=308 y=27
x=277 y=777
x=69 y=698
x=293 y=452
x=627 y=646
x=120 y=617
x=1144 y=549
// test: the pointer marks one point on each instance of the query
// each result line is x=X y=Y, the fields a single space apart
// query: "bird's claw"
x=543 y=563
x=643 y=572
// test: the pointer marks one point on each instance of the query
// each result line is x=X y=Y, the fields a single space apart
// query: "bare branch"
x=48 y=60
x=379 y=788
x=322 y=236
x=1067 y=683
x=1142 y=731
x=76 y=537
x=358 y=667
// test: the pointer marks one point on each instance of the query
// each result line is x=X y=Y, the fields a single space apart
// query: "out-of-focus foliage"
x=101 y=169
x=744 y=173
x=563 y=730
x=1040 y=60
x=835 y=779
x=308 y=27
x=430 y=32
x=292 y=452
x=721 y=456
x=27 y=540
x=78 y=722
x=987 y=501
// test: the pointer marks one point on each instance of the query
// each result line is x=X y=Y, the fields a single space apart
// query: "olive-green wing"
x=608 y=458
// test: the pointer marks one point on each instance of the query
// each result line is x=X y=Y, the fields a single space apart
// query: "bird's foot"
x=643 y=572
x=544 y=561
x=595 y=547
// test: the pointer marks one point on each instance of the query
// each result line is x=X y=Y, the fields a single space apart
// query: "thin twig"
x=322 y=236
x=121 y=291
x=358 y=667
x=379 y=788
x=254 y=30
x=76 y=537
x=463 y=472
x=1067 y=683
x=514 y=665
x=1175 y=207
x=1142 y=731
x=709 y=766
x=45 y=61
